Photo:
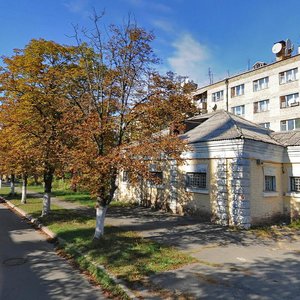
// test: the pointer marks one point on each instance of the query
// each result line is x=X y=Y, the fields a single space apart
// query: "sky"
x=192 y=36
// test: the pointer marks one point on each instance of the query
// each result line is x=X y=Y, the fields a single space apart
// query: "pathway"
x=30 y=268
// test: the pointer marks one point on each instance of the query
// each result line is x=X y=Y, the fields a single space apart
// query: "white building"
x=268 y=94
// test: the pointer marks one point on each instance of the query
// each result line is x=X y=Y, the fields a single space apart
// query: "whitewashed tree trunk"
x=24 y=192
x=100 y=217
x=46 y=204
x=0 y=182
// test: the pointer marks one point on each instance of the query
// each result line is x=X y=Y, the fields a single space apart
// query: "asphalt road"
x=30 y=268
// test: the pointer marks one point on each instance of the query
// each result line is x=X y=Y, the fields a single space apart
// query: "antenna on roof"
x=210 y=76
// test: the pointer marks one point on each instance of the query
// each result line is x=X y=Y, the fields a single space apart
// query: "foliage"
x=122 y=104
x=33 y=115
x=90 y=110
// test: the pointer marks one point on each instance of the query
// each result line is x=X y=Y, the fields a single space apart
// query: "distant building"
x=268 y=94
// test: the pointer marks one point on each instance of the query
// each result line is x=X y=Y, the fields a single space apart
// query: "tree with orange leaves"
x=121 y=102
x=34 y=117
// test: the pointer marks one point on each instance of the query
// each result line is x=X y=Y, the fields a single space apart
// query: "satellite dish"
x=277 y=48
x=215 y=107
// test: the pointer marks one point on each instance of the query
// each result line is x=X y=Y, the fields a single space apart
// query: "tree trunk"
x=0 y=181
x=104 y=199
x=100 y=217
x=48 y=178
x=36 y=179
x=12 y=184
x=24 y=189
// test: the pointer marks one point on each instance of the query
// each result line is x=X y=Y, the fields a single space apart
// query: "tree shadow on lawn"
x=126 y=254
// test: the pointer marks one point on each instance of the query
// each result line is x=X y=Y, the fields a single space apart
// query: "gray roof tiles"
x=287 y=138
x=222 y=125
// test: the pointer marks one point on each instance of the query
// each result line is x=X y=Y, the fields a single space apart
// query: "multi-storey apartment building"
x=268 y=94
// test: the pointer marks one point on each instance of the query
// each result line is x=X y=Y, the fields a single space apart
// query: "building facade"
x=235 y=173
x=267 y=95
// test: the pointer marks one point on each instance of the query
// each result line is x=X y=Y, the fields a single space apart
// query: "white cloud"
x=78 y=6
x=191 y=58
x=163 y=25
x=146 y=4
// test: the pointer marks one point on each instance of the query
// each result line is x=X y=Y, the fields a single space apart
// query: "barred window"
x=157 y=178
x=270 y=183
x=295 y=184
x=196 y=180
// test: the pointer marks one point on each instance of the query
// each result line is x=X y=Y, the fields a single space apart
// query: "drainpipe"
x=226 y=82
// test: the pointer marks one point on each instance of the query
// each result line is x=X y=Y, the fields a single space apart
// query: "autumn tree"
x=32 y=83
x=121 y=101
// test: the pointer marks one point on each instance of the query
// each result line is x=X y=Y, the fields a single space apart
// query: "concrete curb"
x=61 y=241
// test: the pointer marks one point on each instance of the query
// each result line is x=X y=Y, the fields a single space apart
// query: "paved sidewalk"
x=30 y=268
x=232 y=264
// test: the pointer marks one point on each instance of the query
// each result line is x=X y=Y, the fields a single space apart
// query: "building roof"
x=262 y=68
x=287 y=138
x=222 y=125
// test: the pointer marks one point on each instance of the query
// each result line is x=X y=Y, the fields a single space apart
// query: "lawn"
x=65 y=194
x=124 y=253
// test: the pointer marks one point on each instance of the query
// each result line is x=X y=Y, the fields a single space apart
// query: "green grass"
x=80 y=197
x=295 y=225
x=124 y=253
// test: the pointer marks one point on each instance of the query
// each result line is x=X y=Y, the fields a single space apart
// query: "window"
x=237 y=90
x=260 y=84
x=270 y=183
x=288 y=76
x=196 y=180
x=295 y=184
x=218 y=96
x=157 y=178
x=291 y=124
x=125 y=177
x=238 y=110
x=265 y=125
x=261 y=106
x=289 y=100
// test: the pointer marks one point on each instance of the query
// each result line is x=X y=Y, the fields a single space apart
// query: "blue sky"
x=191 y=35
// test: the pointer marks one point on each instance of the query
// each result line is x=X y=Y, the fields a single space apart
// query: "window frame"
x=235 y=89
x=293 y=184
x=152 y=183
x=233 y=110
x=125 y=177
x=257 y=106
x=272 y=187
x=217 y=96
x=258 y=84
x=192 y=188
x=287 y=123
x=266 y=125
x=285 y=102
x=191 y=176
x=283 y=76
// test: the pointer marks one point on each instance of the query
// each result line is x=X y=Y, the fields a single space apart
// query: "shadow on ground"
x=183 y=232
